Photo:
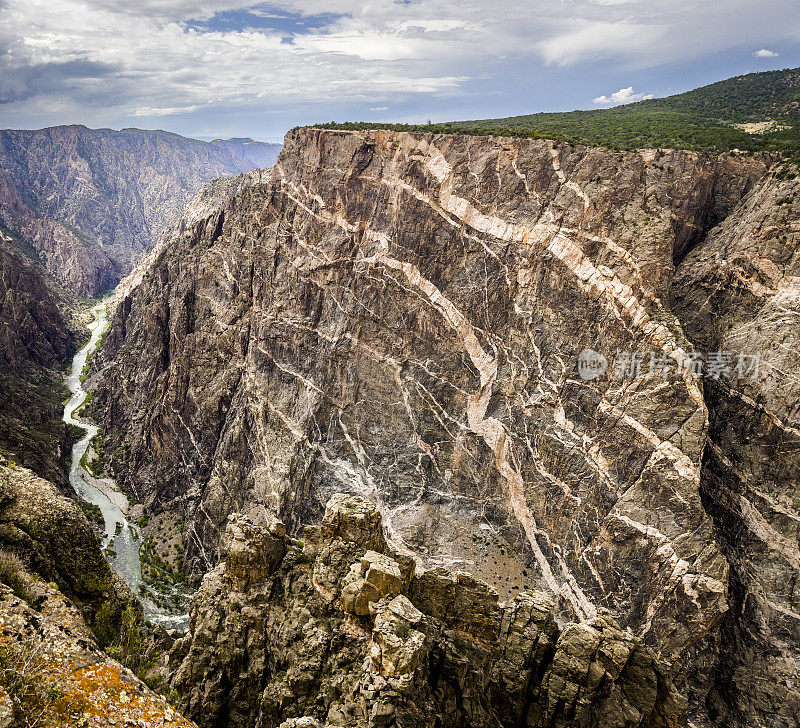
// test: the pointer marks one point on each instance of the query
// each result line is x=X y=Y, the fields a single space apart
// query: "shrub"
x=105 y=624
x=14 y=575
x=27 y=678
x=92 y=512
x=132 y=646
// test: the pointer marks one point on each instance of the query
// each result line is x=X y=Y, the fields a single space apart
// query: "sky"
x=223 y=68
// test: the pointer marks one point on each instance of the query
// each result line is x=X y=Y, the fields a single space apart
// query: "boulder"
x=354 y=519
x=252 y=552
x=372 y=577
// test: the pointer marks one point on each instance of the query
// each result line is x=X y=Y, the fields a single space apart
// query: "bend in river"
x=121 y=540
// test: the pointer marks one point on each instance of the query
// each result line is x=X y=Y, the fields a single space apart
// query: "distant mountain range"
x=78 y=207
x=756 y=111
x=86 y=203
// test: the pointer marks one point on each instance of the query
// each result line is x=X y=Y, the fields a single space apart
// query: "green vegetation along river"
x=122 y=540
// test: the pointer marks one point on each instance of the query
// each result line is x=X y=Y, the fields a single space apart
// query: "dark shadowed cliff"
x=37 y=337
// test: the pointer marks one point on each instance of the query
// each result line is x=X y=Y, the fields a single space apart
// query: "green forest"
x=753 y=112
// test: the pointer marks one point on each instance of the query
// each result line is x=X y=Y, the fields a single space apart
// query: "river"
x=122 y=539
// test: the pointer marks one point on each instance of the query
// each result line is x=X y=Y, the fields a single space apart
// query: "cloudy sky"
x=212 y=68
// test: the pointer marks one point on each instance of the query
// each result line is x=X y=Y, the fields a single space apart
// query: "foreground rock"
x=276 y=636
x=54 y=675
x=54 y=541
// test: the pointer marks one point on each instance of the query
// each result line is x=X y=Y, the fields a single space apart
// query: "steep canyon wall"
x=400 y=316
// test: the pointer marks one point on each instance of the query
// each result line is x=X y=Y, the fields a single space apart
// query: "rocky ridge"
x=212 y=195
x=400 y=316
x=340 y=629
x=91 y=201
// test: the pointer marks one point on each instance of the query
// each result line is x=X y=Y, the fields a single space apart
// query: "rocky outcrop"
x=738 y=294
x=53 y=674
x=435 y=649
x=55 y=541
x=90 y=201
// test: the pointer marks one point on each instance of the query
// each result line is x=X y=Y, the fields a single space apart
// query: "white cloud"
x=105 y=61
x=590 y=39
x=623 y=96
x=164 y=110
x=368 y=45
x=764 y=53
x=378 y=108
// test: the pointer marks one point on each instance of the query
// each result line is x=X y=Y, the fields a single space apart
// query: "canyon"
x=400 y=317
x=443 y=429
x=78 y=207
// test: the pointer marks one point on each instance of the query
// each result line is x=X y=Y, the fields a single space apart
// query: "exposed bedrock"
x=36 y=340
x=276 y=637
x=400 y=316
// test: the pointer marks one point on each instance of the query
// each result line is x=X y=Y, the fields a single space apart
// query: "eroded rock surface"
x=281 y=650
x=738 y=293
x=400 y=316
x=36 y=339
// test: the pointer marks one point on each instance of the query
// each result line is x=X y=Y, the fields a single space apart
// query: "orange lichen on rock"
x=68 y=680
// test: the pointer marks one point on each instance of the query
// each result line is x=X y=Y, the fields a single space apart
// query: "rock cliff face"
x=401 y=316
x=32 y=329
x=90 y=201
x=340 y=629
x=60 y=249
x=36 y=339
x=739 y=294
